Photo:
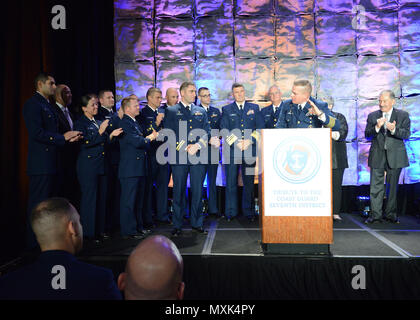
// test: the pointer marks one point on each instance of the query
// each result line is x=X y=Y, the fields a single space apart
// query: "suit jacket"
x=82 y=281
x=291 y=117
x=133 y=146
x=43 y=136
x=232 y=119
x=68 y=152
x=196 y=118
x=339 y=147
x=91 y=157
x=396 y=154
x=270 y=118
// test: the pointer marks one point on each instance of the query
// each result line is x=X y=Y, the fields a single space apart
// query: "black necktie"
x=95 y=123
x=188 y=108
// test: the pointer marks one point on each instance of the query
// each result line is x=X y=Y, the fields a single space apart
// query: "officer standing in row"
x=151 y=119
x=271 y=113
x=214 y=118
x=242 y=119
x=188 y=146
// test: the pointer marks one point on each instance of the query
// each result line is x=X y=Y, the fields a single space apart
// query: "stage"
x=229 y=263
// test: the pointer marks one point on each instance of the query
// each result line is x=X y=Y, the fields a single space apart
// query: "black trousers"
x=377 y=191
x=41 y=187
x=337 y=181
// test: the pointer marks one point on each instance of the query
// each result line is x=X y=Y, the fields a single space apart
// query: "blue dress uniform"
x=91 y=172
x=292 y=117
x=132 y=173
x=214 y=117
x=44 y=141
x=270 y=117
x=112 y=156
x=83 y=281
x=195 y=118
x=234 y=119
x=158 y=174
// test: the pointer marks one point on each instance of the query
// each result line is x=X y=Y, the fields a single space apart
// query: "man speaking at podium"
x=303 y=111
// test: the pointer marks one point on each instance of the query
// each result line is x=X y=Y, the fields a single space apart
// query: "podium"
x=295 y=191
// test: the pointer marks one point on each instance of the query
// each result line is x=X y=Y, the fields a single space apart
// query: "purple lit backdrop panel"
x=220 y=8
x=295 y=36
x=214 y=37
x=265 y=42
x=343 y=42
x=134 y=40
x=254 y=37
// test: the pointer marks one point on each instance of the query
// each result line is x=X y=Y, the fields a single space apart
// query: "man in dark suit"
x=153 y=271
x=303 y=111
x=68 y=185
x=57 y=274
x=387 y=128
x=339 y=158
x=214 y=117
x=271 y=113
x=184 y=120
x=151 y=119
x=242 y=120
x=133 y=170
x=43 y=142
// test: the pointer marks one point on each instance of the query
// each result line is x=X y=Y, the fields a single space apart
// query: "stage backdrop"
x=350 y=50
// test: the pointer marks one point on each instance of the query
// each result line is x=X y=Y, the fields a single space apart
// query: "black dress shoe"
x=200 y=231
x=229 y=219
x=137 y=236
x=392 y=220
x=144 y=232
x=176 y=232
x=104 y=236
x=165 y=222
x=371 y=221
x=251 y=218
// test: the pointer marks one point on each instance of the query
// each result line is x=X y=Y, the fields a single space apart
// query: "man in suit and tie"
x=44 y=140
x=214 y=117
x=133 y=170
x=303 y=111
x=387 y=128
x=339 y=158
x=243 y=121
x=189 y=145
x=57 y=274
x=151 y=119
x=271 y=113
x=68 y=185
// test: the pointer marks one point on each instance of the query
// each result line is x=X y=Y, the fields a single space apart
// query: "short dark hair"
x=202 y=89
x=185 y=85
x=237 y=85
x=43 y=77
x=102 y=93
x=151 y=91
x=84 y=100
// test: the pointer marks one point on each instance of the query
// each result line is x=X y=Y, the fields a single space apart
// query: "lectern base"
x=296 y=249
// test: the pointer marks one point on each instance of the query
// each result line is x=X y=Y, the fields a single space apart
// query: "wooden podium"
x=295 y=191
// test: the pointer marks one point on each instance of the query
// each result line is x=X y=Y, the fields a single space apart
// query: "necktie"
x=276 y=109
x=67 y=115
x=188 y=108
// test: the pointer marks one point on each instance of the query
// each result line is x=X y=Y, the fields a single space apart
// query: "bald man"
x=172 y=97
x=68 y=186
x=153 y=272
x=57 y=274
